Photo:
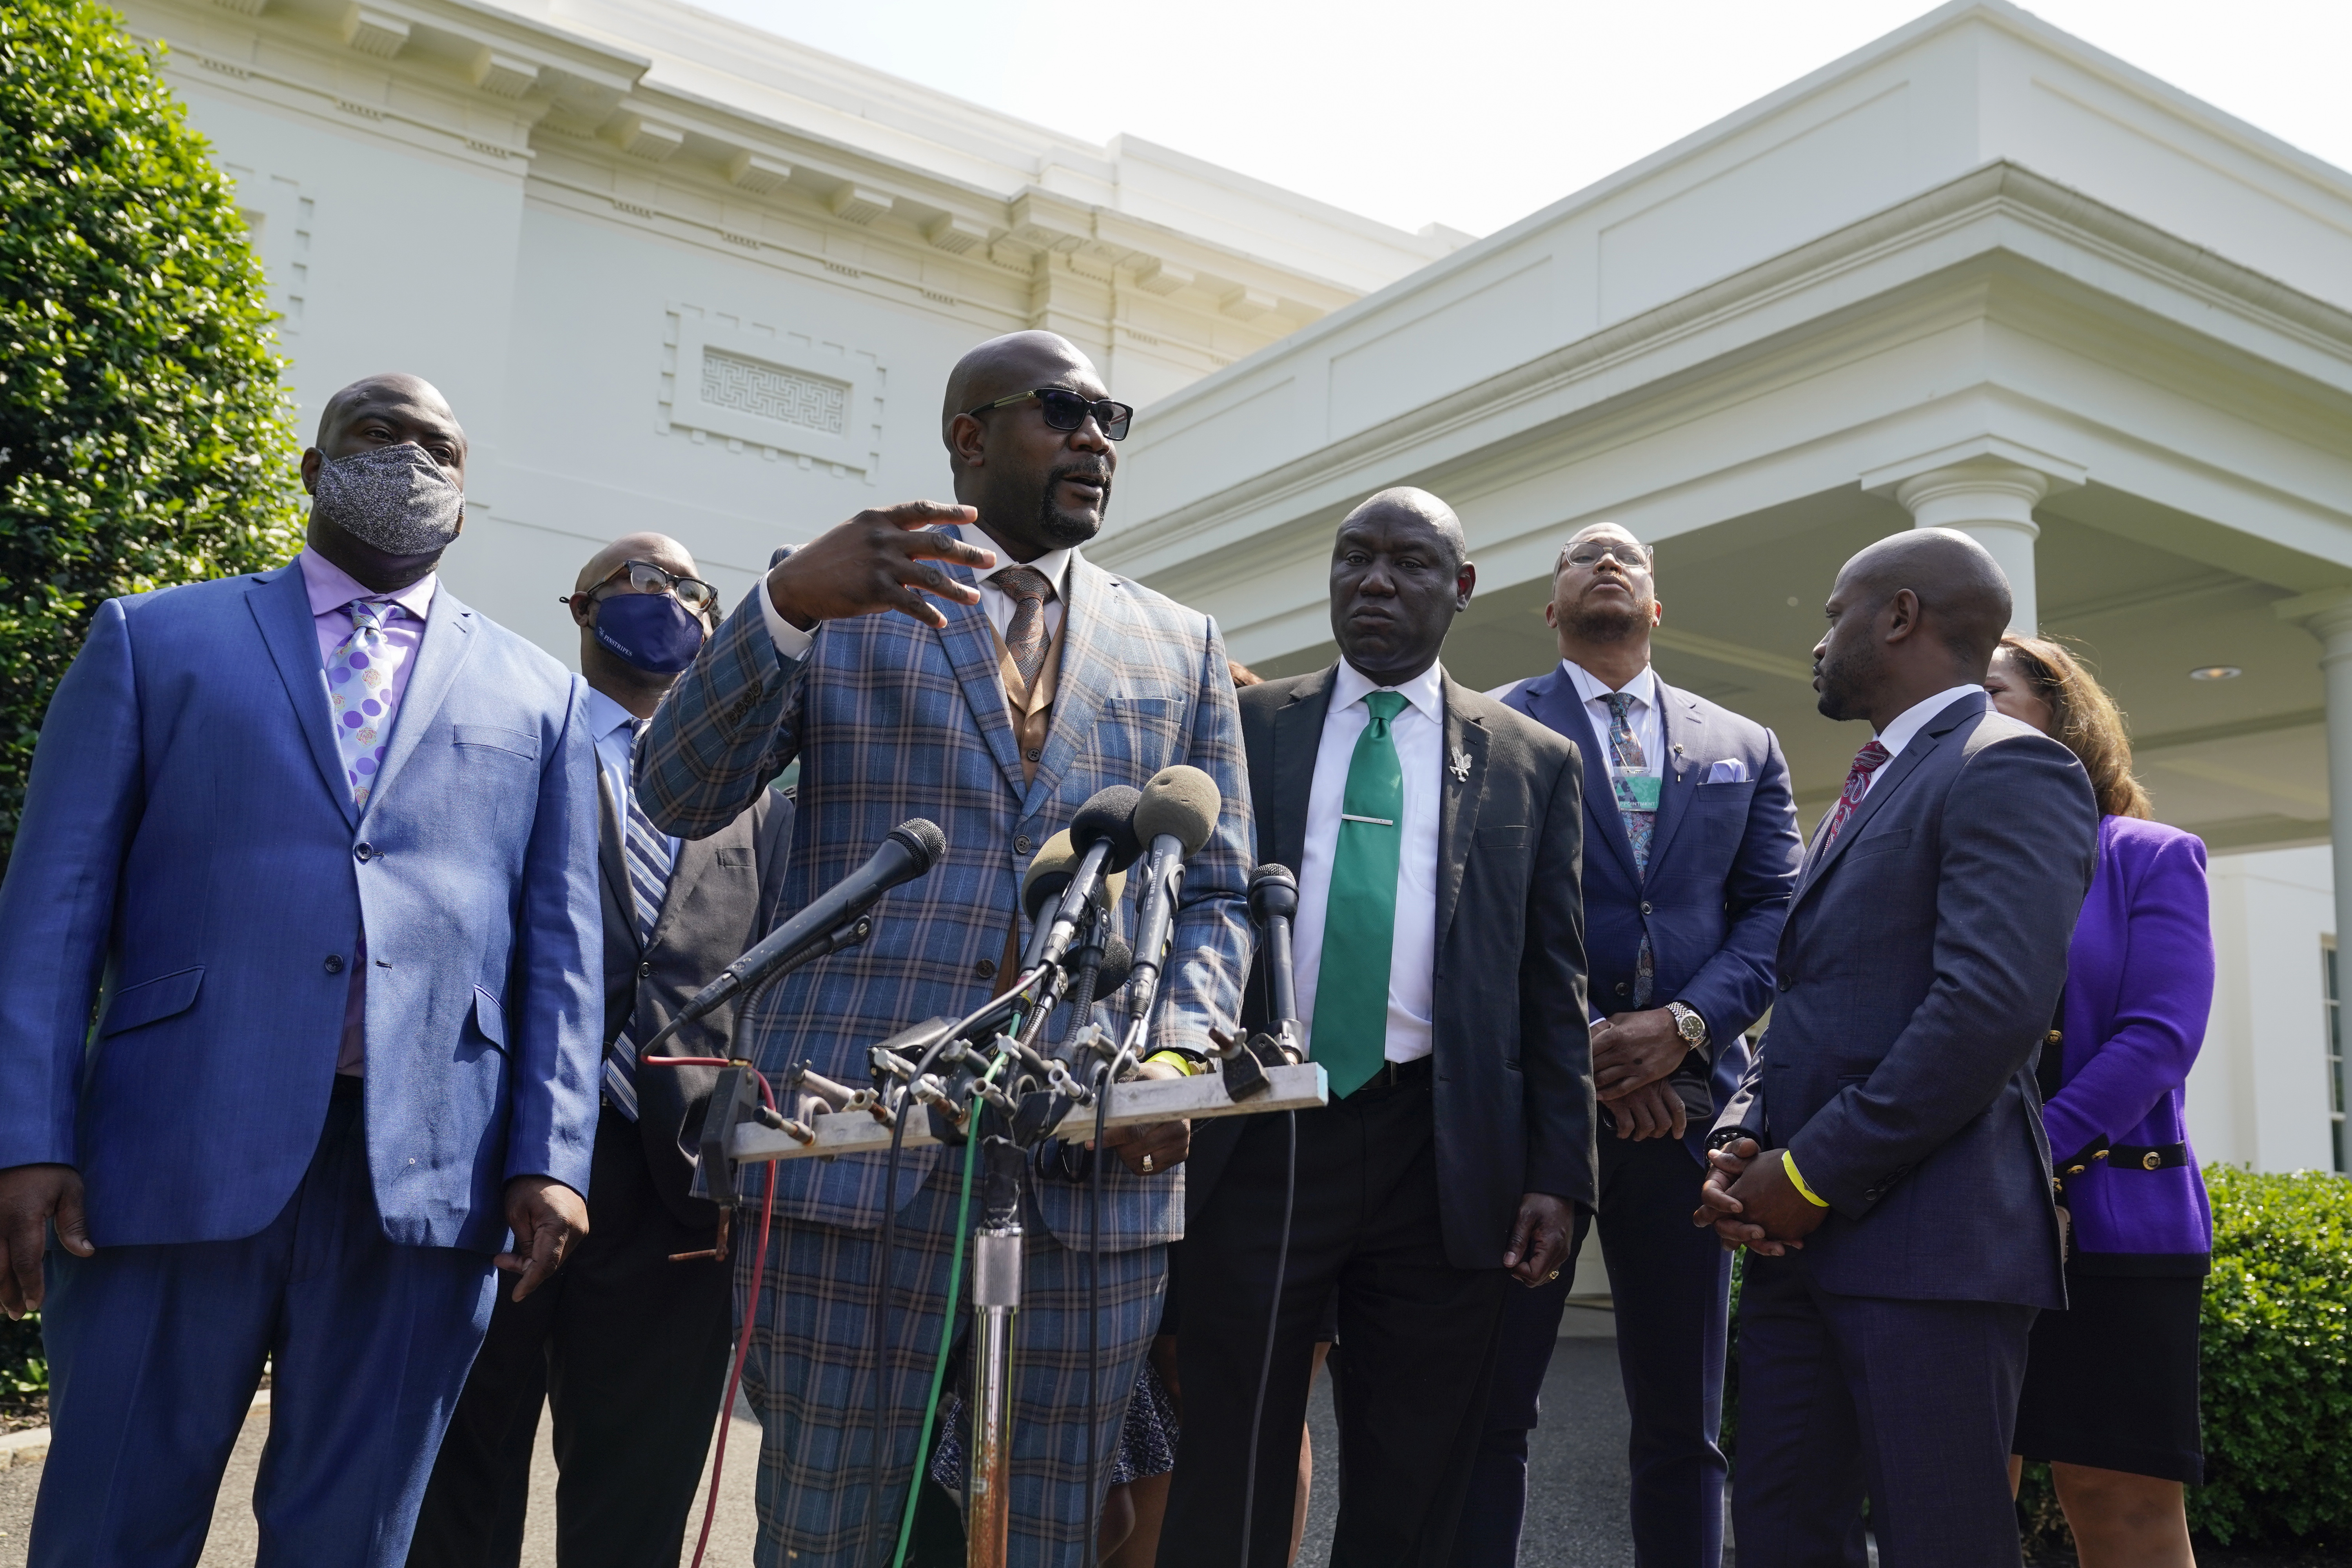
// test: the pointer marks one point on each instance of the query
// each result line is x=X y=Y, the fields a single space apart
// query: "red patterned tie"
x=1867 y=762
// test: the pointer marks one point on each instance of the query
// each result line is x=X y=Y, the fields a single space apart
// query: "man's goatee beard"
x=1609 y=625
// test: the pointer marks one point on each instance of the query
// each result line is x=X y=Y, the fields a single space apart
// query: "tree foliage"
x=144 y=436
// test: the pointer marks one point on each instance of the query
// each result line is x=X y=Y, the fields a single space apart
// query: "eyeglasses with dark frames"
x=644 y=577
x=1067 y=410
x=1633 y=557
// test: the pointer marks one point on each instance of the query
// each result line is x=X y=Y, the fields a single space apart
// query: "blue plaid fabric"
x=891 y=719
x=811 y=1369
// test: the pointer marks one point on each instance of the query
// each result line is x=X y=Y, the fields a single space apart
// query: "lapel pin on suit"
x=1459 y=765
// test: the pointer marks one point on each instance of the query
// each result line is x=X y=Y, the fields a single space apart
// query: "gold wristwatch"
x=1689 y=1025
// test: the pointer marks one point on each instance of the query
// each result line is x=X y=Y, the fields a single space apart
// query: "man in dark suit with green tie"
x=1436 y=834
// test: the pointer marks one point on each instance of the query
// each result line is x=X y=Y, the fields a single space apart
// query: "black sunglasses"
x=1067 y=410
x=644 y=577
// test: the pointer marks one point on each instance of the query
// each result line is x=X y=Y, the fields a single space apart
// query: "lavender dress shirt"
x=2140 y=985
x=331 y=590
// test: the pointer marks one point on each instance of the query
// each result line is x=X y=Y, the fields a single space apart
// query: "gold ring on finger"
x=1147 y=1164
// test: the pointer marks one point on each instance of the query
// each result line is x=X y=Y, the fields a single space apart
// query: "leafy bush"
x=2277 y=1363
x=24 y=1371
x=2275 y=1366
x=143 y=438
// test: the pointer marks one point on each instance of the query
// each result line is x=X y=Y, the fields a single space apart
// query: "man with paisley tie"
x=318 y=847
x=628 y=1347
x=1691 y=851
x=1884 y=1158
x=1435 y=834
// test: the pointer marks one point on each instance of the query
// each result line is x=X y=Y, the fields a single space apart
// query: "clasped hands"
x=1749 y=1201
x=1633 y=1056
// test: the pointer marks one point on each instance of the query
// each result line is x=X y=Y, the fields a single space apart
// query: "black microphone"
x=1274 y=904
x=1103 y=833
x=827 y=924
x=1177 y=813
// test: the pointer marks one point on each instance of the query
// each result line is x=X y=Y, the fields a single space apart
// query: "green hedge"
x=2277 y=1363
x=144 y=436
x=2276 y=1369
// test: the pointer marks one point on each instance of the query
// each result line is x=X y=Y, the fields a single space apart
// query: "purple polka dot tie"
x=360 y=693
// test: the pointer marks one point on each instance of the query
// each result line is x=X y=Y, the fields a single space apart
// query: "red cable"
x=752 y=1312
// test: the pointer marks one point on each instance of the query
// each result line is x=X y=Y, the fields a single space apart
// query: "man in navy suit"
x=1693 y=852
x=1884 y=1157
x=317 y=848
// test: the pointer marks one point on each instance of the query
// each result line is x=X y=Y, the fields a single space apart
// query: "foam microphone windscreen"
x=1109 y=813
x=1180 y=801
x=1118 y=962
x=1049 y=874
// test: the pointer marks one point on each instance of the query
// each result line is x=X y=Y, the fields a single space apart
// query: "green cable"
x=947 y=1342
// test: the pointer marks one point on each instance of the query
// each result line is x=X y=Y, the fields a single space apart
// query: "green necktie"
x=1352 y=992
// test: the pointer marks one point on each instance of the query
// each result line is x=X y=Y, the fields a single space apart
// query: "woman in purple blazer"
x=2110 y=1395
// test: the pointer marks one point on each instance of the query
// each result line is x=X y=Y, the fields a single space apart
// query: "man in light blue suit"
x=317 y=847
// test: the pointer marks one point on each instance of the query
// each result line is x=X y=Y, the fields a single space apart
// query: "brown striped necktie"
x=1025 y=638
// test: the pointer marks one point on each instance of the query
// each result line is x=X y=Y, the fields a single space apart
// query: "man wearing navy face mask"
x=627 y=1347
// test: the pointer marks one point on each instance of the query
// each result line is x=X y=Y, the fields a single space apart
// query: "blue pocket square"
x=1731 y=770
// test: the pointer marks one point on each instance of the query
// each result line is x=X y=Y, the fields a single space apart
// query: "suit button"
x=1645 y=908
x=334 y=964
x=985 y=969
x=1623 y=989
x=1786 y=982
x=364 y=850
x=645 y=970
x=1020 y=845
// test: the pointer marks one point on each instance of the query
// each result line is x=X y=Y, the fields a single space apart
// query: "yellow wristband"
x=1180 y=1061
x=1788 y=1163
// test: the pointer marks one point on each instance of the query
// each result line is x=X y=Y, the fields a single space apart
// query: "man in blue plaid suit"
x=1015 y=680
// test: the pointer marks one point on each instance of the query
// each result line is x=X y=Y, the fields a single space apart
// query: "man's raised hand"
x=878 y=561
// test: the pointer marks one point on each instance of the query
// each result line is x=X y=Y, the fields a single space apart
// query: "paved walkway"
x=1576 y=1510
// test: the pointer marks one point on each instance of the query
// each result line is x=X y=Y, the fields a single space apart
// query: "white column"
x=2327 y=616
x=1992 y=502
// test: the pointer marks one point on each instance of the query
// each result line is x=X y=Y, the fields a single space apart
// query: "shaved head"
x=1035 y=488
x=1013 y=362
x=394 y=390
x=1915 y=615
x=1960 y=586
x=1406 y=501
x=655 y=549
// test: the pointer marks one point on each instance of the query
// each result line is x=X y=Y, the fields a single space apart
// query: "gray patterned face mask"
x=394 y=498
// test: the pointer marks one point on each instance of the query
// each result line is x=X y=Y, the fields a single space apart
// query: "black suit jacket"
x=1513 y=1062
x=1918 y=970
x=721 y=900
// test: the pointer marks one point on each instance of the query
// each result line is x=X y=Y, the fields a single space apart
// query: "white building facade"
x=680 y=274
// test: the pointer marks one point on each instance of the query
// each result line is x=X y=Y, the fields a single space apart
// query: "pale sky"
x=1476 y=114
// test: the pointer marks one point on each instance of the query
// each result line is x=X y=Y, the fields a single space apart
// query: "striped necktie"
x=645 y=849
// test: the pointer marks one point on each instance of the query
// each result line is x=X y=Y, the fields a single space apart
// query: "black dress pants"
x=1416 y=1334
x=629 y=1350
x=1671 y=1283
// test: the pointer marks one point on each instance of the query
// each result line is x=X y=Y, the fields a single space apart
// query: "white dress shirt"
x=609 y=722
x=1641 y=712
x=1911 y=721
x=994 y=602
x=1419 y=732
